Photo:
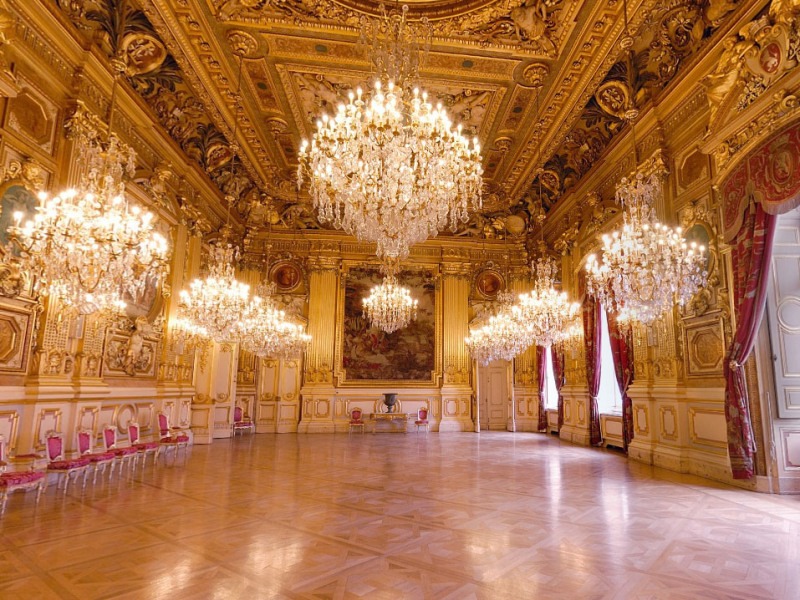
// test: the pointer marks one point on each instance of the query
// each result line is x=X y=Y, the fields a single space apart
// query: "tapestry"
x=369 y=354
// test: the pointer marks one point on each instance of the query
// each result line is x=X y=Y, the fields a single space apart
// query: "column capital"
x=461 y=270
x=323 y=263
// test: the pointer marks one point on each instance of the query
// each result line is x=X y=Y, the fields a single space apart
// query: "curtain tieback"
x=735 y=365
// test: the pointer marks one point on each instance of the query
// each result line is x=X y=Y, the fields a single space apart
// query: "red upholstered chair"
x=422 y=419
x=65 y=468
x=97 y=460
x=17 y=480
x=241 y=422
x=171 y=438
x=128 y=455
x=143 y=448
x=356 y=420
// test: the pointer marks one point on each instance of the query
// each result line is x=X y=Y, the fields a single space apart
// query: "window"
x=550 y=389
x=609 y=399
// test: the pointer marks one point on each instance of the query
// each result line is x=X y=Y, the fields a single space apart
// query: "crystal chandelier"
x=218 y=301
x=388 y=167
x=546 y=312
x=647 y=266
x=390 y=306
x=187 y=334
x=89 y=247
x=503 y=337
x=265 y=331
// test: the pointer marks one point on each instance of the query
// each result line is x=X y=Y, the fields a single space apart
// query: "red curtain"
x=621 y=341
x=560 y=375
x=541 y=364
x=591 y=336
x=750 y=255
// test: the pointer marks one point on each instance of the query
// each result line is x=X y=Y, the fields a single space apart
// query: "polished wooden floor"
x=495 y=515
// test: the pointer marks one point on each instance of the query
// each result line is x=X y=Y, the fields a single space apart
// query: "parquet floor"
x=495 y=515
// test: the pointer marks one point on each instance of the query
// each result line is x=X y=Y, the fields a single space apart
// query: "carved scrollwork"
x=28 y=172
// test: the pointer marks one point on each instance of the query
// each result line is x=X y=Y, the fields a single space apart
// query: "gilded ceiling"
x=487 y=63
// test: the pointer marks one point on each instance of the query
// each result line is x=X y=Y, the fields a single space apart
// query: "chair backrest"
x=110 y=436
x=237 y=414
x=55 y=445
x=355 y=414
x=84 y=441
x=422 y=414
x=2 y=450
x=163 y=424
x=133 y=432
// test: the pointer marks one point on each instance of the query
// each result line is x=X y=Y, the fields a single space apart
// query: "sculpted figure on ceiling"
x=670 y=35
x=761 y=53
x=124 y=31
x=528 y=25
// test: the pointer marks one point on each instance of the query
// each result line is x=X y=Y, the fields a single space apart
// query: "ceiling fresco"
x=487 y=63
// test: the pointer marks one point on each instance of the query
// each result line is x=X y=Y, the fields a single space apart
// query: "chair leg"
x=39 y=490
x=3 y=501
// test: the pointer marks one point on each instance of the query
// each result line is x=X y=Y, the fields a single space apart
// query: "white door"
x=493 y=390
x=783 y=312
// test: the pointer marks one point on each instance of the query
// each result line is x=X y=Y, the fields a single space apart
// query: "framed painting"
x=286 y=275
x=368 y=356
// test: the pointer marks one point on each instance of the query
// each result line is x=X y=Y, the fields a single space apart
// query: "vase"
x=390 y=400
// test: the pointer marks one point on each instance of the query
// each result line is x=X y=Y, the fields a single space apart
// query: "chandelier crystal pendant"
x=390 y=306
x=89 y=248
x=218 y=301
x=544 y=311
x=646 y=266
x=503 y=337
x=388 y=167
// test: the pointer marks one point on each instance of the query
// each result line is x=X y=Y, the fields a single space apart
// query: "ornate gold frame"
x=340 y=374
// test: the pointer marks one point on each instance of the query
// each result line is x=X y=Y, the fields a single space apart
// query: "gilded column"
x=318 y=391
x=455 y=413
x=523 y=411
x=576 y=427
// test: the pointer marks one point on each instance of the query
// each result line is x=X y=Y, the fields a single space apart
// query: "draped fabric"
x=541 y=363
x=560 y=376
x=591 y=335
x=750 y=256
x=621 y=341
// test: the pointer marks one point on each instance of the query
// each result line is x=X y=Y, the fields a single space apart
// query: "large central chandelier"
x=388 y=167
x=89 y=248
x=218 y=301
x=501 y=337
x=389 y=306
x=647 y=266
x=545 y=312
